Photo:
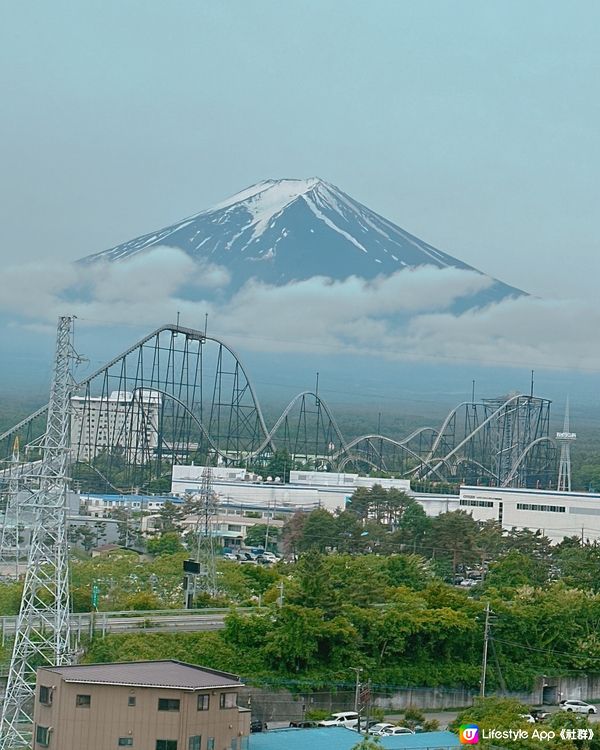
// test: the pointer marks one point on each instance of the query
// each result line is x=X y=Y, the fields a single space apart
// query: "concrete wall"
x=283 y=706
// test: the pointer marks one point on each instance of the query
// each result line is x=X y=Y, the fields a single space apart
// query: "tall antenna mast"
x=43 y=625
x=565 y=439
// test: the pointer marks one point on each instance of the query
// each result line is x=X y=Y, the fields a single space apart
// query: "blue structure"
x=338 y=738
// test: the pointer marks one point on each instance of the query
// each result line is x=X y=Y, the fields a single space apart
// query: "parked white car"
x=347 y=719
x=578 y=707
x=270 y=556
x=377 y=728
x=395 y=731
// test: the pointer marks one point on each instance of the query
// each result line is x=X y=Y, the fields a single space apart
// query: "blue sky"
x=471 y=124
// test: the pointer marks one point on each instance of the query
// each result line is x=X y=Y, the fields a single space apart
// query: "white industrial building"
x=125 y=420
x=556 y=514
x=306 y=490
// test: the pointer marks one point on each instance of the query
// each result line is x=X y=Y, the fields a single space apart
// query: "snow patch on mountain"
x=299 y=229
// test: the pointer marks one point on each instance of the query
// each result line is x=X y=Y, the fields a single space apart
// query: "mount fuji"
x=281 y=231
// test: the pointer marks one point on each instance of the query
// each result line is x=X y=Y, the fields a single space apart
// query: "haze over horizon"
x=468 y=125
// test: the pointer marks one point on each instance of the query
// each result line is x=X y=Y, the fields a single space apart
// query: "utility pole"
x=43 y=636
x=486 y=638
x=280 y=597
x=358 y=670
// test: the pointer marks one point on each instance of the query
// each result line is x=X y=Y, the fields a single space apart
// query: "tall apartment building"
x=124 y=420
x=153 y=705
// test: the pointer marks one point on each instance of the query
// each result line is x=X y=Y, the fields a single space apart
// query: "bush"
x=317 y=714
x=414 y=714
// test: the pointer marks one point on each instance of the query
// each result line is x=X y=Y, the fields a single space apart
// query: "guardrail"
x=166 y=620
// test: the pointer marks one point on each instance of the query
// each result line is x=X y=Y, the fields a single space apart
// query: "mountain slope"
x=280 y=231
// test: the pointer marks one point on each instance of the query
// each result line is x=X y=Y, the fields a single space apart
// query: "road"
x=169 y=621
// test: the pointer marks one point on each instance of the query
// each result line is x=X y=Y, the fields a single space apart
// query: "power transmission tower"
x=565 y=439
x=43 y=624
x=9 y=537
x=205 y=550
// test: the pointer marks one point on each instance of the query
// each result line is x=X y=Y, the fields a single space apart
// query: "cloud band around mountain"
x=404 y=316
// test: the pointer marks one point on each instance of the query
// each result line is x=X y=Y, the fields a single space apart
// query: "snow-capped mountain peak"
x=271 y=190
x=279 y=231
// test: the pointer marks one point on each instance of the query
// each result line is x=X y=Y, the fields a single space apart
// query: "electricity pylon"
x=206 y=580
x=565 y=438
x=9 y=536
x=43 y=625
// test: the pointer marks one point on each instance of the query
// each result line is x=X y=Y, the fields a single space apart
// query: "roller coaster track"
x=401 y=444
x=522 y=457
x=268 y=441
x=479 y=428
x=234 y=427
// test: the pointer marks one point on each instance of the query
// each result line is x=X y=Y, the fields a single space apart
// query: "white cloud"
x=405 y=316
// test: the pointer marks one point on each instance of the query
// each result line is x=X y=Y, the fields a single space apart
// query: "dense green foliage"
x=503 y=714
x=390 y=615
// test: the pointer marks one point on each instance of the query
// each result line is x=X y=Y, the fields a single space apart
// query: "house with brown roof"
x=151 y=705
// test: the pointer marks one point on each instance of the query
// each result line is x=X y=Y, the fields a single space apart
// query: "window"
x=83 y=701
x=203 y=702
x=234 y=744
x=543 y=508
x=228 y=700
x=45 y=695
x=194 y=743
x=210 y=744
x=131 y=700
x=245 y=743
x=476 y=503
x=125 y=742
x=168 y=704
x=42 y=736
x=166 y=744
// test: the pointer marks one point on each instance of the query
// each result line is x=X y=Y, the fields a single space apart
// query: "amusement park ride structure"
x=179 y=396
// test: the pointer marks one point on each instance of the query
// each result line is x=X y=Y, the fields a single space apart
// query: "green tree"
x=313 y=586
x=257 y=536
x=170 y=516
x=453 y=537
x=516 y=569
x=83 y=534
x=319 y=532
x=99 y=530
x=504 y=713
x=280 y=465
x=126 y=534
x=414 y=523
x=168 y=543
x=580 y=566
x=292 y=533
x=412 y=571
